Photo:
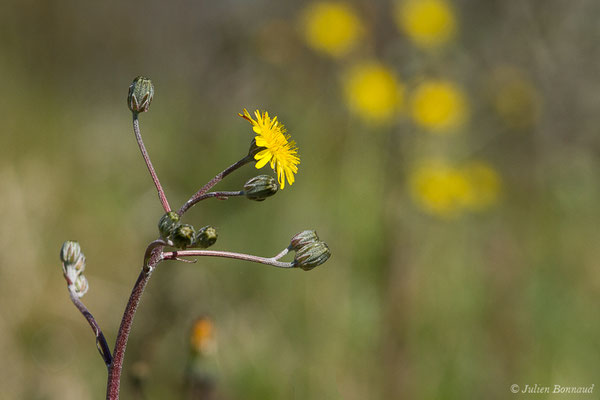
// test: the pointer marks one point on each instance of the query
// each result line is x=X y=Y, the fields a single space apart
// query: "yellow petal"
x=260 y=141
x=262 y=161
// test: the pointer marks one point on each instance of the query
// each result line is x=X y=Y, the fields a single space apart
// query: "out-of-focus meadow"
x=449 y=157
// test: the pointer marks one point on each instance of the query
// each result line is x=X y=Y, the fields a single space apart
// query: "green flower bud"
x=260 y=187
x=183 y=236
x=312 y=255
x=167 y=224
x=302 y=239
x=81 y=285
x=141 y=92
x=70 y=252
x=206 y=237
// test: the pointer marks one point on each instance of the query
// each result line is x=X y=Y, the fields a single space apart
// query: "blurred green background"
x=449 y=157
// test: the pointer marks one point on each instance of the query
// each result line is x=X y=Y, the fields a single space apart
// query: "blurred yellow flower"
x=447 y=191
x=279 y=150
x=333 y=28
x=428 y=23
x=514 y=98
x=485 y=185
x=439 y=189
x=202 y=336
x=373 y=92
x=439 y=106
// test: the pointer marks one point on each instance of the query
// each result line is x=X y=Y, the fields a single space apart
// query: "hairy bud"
x=79 y=266
x=302 y=239
x=81 y=285
x=183 y=236
x=312 y=255
x=206 y=237
x=167 y=224
x=73 y=265
x=141 y=92
x=70 y=252
x=260 y=187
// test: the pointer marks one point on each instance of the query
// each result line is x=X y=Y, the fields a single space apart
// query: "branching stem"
x=218 y=178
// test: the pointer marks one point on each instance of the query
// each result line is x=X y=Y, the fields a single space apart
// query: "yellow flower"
x=485 y=185
x=439 y=189
x=439 y=106
x=279 y=150
x=373 y=92
x=331 y=27
x=448 y=191
x=202 y=335
x=428 y=23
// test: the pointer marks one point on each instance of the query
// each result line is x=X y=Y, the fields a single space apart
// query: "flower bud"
x=141 y=92
x=79 y=266
x=206 y=237
x=70 y=252
x=167 y=224
x=302 y=239
x=312 y=255
x=254 y=149
x=183 y=236
x=260 y=187
x=81 y=285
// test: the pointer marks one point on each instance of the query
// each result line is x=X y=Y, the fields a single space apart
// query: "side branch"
x=218 y=195
x=103 y=348
x=175 y=255
x=218 y=178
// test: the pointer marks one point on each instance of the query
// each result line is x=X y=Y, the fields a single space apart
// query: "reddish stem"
x=140 y=142
x=218 y=178
x=114 y=371
x=100 y=340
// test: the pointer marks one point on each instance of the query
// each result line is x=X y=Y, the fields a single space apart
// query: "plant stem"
x=138 y=137
x=103 y=348
x=220 y=195
x=173 y=255
x=114 y=371
x=203 y=191
x=283 y=253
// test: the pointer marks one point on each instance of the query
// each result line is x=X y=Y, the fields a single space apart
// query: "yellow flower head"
x=448 y=191
x=373 y=92
x=439 y=189
x=202 y=335
x=279 y=150
x=331 y=27
x=439 y=106
x=428 y=23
